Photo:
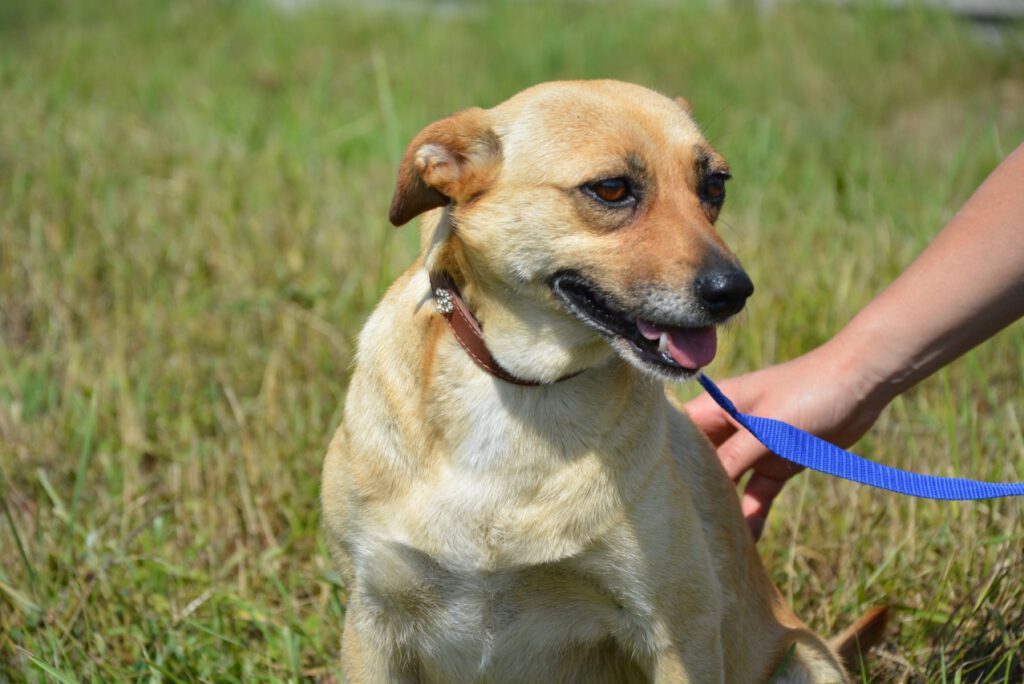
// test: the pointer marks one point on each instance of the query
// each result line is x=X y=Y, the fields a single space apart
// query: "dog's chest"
x=495 y=551
x=461 y=624
x=507 y=488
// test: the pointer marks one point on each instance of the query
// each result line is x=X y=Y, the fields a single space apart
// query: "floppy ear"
x=450 y=160
x=685 y=104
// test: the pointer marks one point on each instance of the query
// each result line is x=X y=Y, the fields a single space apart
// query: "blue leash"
x=811 y=452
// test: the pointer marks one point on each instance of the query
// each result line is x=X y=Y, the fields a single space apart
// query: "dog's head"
x=579 y=214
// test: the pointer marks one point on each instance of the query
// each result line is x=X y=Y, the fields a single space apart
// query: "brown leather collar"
x=467 y=329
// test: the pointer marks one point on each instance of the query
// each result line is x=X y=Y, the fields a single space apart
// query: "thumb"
x=740 y=452
x=711 y=419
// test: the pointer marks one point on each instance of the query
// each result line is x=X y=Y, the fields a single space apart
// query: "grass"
x=193 y=202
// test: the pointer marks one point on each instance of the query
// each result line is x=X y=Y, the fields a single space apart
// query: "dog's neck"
x=537 y=362
x=528 y=341
x=466 y=328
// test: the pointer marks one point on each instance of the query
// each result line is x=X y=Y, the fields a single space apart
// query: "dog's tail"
x=853 y=644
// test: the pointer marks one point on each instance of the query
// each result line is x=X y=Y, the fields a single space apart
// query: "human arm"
x=963 y=288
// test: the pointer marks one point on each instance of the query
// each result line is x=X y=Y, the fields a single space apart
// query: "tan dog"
x=581 y=529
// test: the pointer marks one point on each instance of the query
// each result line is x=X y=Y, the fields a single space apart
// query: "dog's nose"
x=724 y=292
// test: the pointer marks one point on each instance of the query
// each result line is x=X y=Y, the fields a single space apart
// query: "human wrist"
x=870 y=374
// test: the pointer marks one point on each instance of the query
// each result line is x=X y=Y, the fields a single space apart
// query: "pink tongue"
x=689 y=347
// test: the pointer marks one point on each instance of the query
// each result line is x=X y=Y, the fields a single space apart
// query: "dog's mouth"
x=672 y=349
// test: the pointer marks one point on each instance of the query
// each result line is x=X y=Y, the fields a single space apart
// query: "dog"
x=512 y=496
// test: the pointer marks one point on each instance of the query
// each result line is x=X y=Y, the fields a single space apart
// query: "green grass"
x=193 y=202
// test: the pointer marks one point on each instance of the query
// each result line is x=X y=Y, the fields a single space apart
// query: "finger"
x=757 y=500
x=755 y=524
x=740 y=452
x=711 y=419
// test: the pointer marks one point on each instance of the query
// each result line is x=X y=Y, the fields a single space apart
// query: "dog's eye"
x=615 y=192
x=714 y=188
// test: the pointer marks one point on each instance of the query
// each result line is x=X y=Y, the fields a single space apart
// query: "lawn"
x=193 y=226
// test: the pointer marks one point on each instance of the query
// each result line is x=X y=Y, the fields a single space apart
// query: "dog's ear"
x=685 y=104
x=450 y=160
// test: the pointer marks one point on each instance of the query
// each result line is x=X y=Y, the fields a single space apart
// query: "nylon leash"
x=812 y=452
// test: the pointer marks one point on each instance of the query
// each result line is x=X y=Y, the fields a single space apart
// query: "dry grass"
x=193 y=226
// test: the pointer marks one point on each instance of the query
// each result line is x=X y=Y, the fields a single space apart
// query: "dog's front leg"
x=366 y=659
x=696 y=662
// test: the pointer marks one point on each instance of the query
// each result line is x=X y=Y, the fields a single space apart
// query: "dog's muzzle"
x=677 y=347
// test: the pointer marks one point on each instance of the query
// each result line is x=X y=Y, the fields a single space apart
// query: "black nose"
x=724 y=292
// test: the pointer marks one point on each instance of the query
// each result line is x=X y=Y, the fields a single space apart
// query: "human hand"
x=814 y=392
x=975 y=267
